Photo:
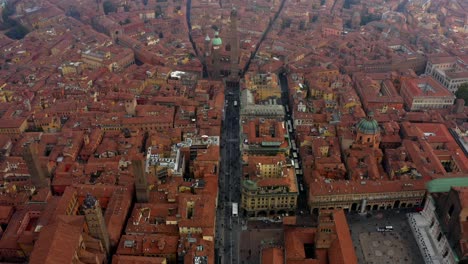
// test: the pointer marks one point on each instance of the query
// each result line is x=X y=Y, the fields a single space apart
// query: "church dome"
x=368 y=126
x=217 y=40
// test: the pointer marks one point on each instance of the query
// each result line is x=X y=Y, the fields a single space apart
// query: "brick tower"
x=141 y=183
x=95 y=221
x=38 y=173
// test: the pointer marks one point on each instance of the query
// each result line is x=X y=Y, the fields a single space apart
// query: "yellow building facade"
x=273 y=192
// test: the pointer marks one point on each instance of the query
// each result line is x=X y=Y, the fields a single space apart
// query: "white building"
x=451 y=72
x=432 y=243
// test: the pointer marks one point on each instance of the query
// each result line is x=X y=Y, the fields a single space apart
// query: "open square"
x=384 y=247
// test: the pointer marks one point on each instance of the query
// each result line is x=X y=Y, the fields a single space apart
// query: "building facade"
x=425 y=93
x=269 y=187
x=369 y=201
x=428 y=233
x=451 y=72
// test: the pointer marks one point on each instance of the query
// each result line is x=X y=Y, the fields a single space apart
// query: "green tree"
x=302 y=25
x=158 y=12
x=17 y=32
x=73 y=12
x=462 y=92
x=313 y=19
x=109 y=7
x=369 y=18
x=125 y=22
x=286 y=23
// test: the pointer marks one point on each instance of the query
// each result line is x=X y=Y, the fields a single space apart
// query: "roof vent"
x=129 y=243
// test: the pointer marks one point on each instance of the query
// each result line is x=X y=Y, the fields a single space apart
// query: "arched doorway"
x=375 y=207
x=368 y=207
x=403 y=205
x=396 y=204
x=315 y=211
x=282 y=212
x=389 y=206
x=272 y=212
x=331 y=208
x=354 y=207
x=410 y=205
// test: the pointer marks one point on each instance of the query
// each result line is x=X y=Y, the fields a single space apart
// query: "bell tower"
x=141 y=183
x=216 y=44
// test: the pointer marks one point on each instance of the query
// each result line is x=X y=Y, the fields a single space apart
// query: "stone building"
x=269 y=187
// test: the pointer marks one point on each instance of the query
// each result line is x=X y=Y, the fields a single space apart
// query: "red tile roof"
x=58 y=242
x=272 y=256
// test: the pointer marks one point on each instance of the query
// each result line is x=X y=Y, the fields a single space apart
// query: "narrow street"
x=302 y=207
x=228 y=227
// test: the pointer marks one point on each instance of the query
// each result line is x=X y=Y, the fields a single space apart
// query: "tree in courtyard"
x=109 y=7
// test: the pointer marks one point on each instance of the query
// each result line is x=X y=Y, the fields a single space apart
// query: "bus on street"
x=235 y=209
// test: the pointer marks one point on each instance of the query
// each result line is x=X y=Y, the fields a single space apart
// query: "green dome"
x=250 y=185
x=368 y=126
x=216 y=40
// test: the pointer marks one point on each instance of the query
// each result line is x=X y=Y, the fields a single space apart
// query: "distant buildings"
x=425 y=93
x=98 y=109
x=449 y=71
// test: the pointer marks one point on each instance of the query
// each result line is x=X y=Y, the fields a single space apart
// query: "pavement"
x=228 y=226
x=397 y=246
x=257 y=236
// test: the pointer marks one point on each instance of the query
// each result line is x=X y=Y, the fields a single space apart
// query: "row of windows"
x=271 y=206
x=393 y=195
x=252 y=203
x=433 y=101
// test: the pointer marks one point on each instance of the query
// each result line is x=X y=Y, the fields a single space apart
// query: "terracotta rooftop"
x=122 y=259
x=272 y=256
x=58 y=242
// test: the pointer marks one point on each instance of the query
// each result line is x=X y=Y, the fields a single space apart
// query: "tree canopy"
x=109 y=7
x=462 y=92
x=18 y=32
